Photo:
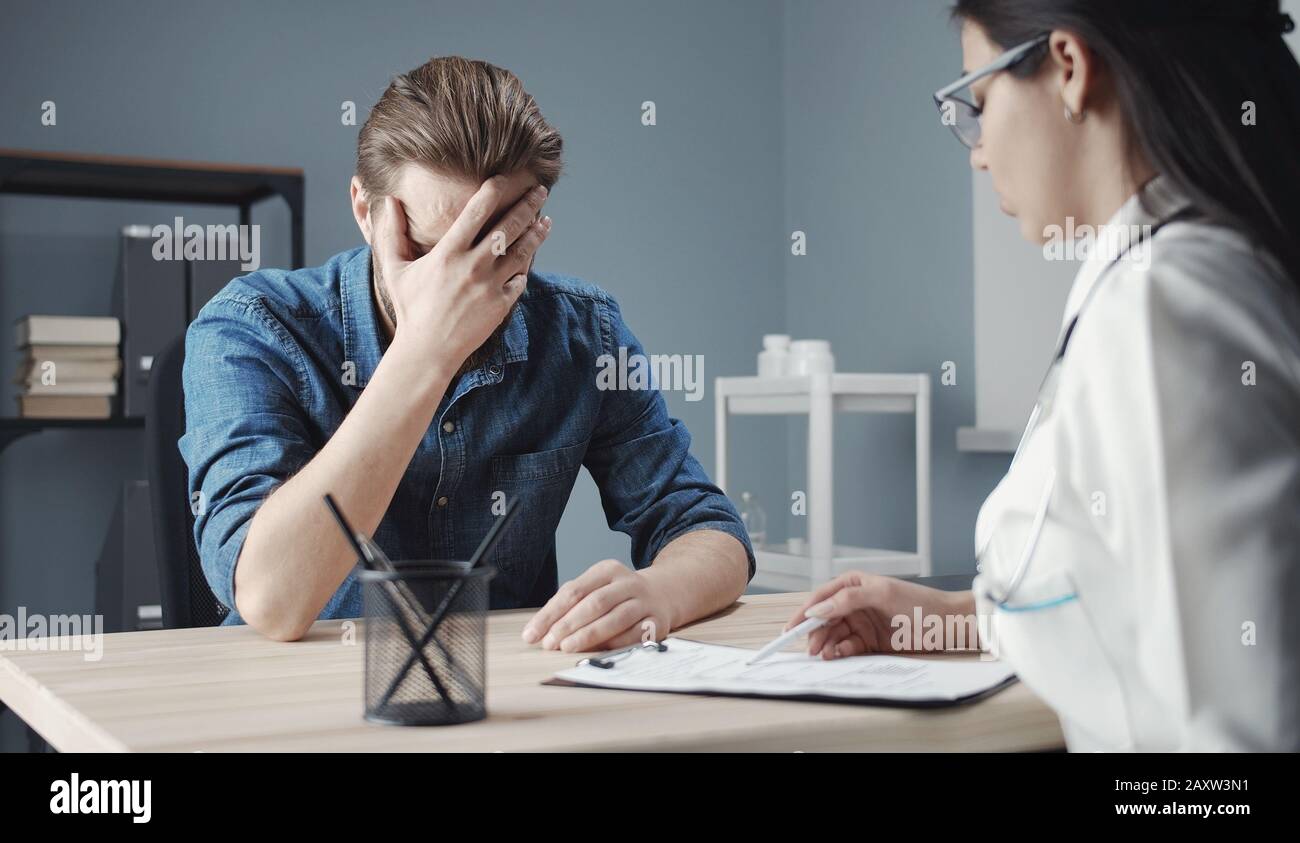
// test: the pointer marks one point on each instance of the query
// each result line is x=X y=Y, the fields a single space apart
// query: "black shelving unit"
x=12 y=429
x=33 y=173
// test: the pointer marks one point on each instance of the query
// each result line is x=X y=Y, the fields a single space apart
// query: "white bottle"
x=811 y=357
x=772 y=360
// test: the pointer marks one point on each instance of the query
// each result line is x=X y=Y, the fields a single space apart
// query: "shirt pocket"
x=540 y=482
x=1048 y=635
x=540 y=468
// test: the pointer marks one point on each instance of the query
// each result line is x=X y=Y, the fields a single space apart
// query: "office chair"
x=187 y=601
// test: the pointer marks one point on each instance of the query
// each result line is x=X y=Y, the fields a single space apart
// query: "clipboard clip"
x=609 y=659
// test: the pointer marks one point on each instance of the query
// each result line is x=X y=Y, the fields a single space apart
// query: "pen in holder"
x=426 y=629
x=425 y=633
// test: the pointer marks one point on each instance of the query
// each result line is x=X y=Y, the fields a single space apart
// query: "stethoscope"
x=1002 y=598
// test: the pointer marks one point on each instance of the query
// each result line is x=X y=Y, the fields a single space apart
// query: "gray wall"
x=772 y=116
x=884 y=194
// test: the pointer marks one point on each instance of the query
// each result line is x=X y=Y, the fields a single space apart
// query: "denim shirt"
x=274 y=362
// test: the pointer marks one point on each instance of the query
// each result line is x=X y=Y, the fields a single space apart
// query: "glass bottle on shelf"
x=754 y=518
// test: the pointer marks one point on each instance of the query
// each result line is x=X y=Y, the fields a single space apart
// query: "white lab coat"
x=1175 y=514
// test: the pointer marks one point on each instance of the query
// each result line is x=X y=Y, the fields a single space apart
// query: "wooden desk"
x=228 y=688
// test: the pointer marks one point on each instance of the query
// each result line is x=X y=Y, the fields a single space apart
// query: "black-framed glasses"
x=961 y=114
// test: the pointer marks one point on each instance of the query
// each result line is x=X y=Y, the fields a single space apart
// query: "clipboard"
x=699 y=668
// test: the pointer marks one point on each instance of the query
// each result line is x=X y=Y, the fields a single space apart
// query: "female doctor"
x=1139 y=565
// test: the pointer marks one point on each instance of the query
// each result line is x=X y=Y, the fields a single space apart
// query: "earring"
x=1075 y=118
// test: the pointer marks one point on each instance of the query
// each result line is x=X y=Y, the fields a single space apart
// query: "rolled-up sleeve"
x=244 y=426
x=651 y=487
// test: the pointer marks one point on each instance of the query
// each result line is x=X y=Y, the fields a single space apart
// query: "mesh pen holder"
x=426 y=648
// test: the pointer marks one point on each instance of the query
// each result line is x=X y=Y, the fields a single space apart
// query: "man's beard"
x=478 y=356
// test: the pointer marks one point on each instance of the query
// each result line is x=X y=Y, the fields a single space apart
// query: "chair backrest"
x=187 y=600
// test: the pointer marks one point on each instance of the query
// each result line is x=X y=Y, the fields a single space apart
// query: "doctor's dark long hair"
x=1184 y=71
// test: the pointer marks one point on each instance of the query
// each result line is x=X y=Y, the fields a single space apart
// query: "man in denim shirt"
x=428 y=376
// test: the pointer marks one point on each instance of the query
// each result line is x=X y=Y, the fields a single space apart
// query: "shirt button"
x=442 y=501
x=494 y=370
x=448 y=427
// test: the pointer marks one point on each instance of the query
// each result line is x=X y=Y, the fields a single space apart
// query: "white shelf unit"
x=820 y=397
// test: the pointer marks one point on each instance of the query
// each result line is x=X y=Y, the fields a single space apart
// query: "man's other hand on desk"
x=611 y=606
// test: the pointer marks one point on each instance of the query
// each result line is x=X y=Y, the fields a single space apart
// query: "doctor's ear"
x=1075 y=71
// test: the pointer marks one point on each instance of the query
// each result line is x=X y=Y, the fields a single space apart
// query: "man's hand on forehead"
x=428 y=222
x=511 y=202
x=449 y=300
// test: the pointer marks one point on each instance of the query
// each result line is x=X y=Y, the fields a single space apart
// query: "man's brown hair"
x=460 y=117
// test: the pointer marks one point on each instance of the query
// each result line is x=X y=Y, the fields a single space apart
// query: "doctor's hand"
x=609 y=606
x=859 y=609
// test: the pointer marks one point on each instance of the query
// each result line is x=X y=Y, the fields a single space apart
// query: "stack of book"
x=70 y=366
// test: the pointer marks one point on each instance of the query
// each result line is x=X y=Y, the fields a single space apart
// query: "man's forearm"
x=295 y=556
x=700 y=573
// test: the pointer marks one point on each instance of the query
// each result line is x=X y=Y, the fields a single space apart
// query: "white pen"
x=786 y=637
